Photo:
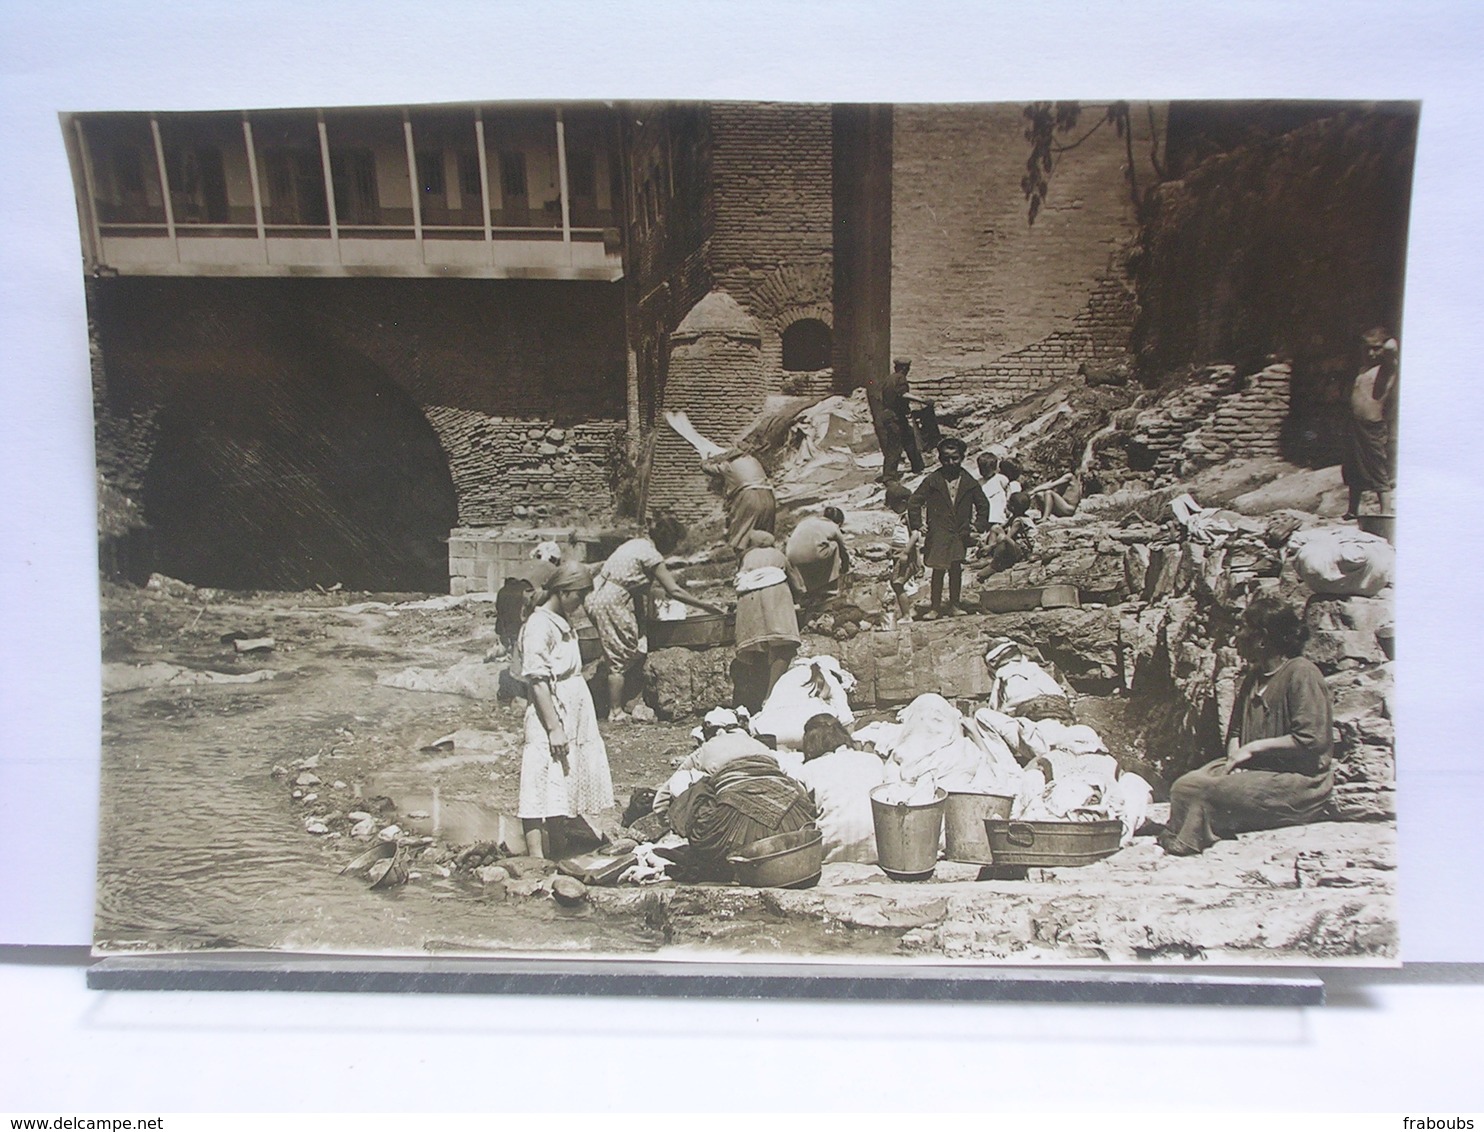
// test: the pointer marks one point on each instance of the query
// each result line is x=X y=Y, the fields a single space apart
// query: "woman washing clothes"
x=817 y=549
x=564 y=764
x=767 y=623
x=1277 y=770
x=622 y=582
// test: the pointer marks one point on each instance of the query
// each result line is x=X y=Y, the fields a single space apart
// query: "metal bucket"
x=907 y=837
x=1383 y=525
x=1051 y=844
x=963 y=825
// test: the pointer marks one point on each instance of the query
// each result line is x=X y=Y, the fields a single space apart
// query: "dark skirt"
x=1213 y=802
x=1369 y=463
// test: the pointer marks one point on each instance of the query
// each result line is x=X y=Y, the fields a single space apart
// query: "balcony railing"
x=123 y=241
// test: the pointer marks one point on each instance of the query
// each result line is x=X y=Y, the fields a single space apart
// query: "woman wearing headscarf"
x=564 y=764
x=767 y=622
x=1277 y=770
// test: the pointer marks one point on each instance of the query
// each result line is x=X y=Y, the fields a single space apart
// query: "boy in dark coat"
x=956 y=507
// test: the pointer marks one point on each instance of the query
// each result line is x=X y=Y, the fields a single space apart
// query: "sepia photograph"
x=909 y=533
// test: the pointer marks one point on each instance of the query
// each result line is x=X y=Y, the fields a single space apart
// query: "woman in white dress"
x=564 y=766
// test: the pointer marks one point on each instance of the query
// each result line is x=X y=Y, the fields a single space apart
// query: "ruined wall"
x=1218 y=415
x=506 y=468
x=981 y=300
x=1293 y=246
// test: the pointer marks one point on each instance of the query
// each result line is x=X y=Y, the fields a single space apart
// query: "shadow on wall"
x=282 y=460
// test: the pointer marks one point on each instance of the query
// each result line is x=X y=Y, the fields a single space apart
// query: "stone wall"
x=1216 y=416
x=981 y=300
x=506 y=468
x=480 y=559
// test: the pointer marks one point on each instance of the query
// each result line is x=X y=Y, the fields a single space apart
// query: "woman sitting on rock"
x=1277 y=770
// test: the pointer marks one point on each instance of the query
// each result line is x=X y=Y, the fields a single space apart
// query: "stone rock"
x=1333 y=613
x=358 y=815
x=527 y=886
x=685 y=682
x=307 y=779
x=622 y=845
x=1159 y=581
x=1362 y=801
x=568 y=891
x=390 y=833
x=316 y=826
x=1340 y=650
x=310 y=797
x=1136 y=567
x=363 y=829
x=523 y=868
x=492 y=874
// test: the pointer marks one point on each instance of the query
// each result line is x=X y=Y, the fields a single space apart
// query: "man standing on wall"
x=895 y=430
x=1370 y=461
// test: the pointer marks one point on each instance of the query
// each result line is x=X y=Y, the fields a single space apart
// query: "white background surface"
x=1403 y=1045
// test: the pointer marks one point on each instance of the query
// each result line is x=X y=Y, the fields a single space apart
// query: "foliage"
x=1049 y=123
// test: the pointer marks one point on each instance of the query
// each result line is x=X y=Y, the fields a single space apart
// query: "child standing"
x=907 y=544
x=564 y=765
x=955 y=507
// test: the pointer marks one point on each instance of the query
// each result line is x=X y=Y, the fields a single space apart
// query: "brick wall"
x=486 y=361
x=1219 y=415
x=1293 y=245
x=506 y=468
x=981 y=299
x=773 y=242
x=394 y=409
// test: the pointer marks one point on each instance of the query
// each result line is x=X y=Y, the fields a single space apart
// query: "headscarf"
x=570 y=576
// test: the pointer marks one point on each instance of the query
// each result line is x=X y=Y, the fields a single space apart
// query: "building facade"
x=500 y=290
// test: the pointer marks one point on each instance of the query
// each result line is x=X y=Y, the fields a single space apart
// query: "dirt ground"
x=391 y=752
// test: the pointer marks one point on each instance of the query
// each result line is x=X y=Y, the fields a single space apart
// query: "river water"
x=201 y=847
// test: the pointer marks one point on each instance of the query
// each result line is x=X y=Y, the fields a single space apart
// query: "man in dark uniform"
x=897 y=434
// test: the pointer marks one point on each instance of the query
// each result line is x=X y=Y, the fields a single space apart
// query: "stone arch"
x=280 y=459
x=783 y=296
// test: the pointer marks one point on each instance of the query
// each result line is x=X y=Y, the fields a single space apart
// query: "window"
x=127 y=174
x=296 y=186
x=582 y=175
x=354 y=173
x=198 y=187
x=806 y=346
x=469 y=181
x=430 y=174
x=512 y=173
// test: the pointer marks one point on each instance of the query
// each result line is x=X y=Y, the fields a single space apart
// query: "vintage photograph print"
x=834 y=533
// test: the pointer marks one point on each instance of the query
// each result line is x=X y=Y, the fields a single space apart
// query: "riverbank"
x=314 y=733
